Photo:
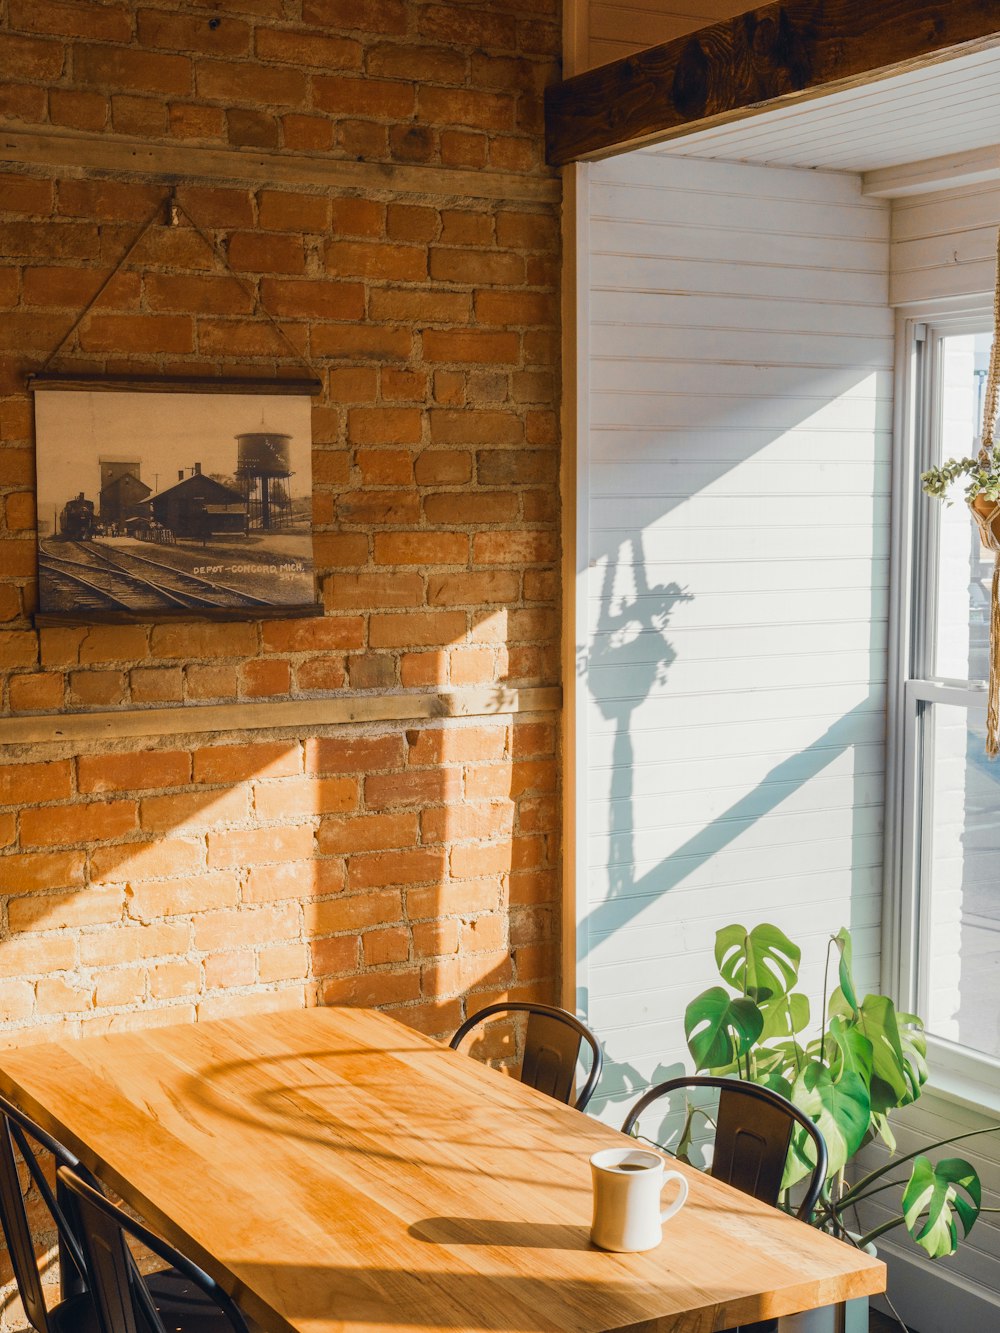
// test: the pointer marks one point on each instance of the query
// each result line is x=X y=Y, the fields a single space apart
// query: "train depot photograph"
x=156 y=503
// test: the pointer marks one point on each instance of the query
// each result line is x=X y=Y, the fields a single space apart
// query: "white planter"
x=849 y=1317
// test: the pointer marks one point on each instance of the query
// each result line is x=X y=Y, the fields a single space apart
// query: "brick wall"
x=411 y=865
x=167 y=877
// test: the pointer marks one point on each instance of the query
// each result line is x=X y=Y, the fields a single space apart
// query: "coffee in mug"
x=627 y=1187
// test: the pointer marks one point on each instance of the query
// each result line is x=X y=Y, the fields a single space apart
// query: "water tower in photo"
x=263 y=467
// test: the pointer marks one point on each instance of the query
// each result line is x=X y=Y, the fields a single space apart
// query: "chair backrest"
x=553 y=1039
x=120 y=1299
x=753 y=1132
x=19 y=1131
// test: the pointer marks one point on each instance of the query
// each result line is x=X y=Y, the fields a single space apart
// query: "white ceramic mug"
x=627 y=1187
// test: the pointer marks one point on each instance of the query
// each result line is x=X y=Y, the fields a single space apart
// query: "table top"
x=339 y=1173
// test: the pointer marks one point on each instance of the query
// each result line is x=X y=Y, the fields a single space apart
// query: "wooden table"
x=336 y=1171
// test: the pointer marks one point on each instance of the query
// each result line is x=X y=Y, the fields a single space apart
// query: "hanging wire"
x=169 y=210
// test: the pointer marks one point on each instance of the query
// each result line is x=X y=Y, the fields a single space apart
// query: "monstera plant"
x=865 y=1060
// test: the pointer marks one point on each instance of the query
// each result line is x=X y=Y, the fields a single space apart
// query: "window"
x=949 y=811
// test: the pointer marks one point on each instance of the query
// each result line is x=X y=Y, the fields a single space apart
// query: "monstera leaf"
x=842 y=940
x=720 y=1029
x=847 y=1048
x=841 y=1109
x=762 y=963
x=934 y=1195
x=895 y=1078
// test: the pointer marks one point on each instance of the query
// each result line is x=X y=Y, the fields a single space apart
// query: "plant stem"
x=877 y=1174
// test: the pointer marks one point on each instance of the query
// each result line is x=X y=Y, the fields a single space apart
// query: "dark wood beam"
x=779 y=53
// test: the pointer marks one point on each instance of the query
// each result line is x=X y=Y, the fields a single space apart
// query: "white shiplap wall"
x=944 y=244
x=732 y=667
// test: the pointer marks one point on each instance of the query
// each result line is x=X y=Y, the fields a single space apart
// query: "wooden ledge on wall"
x=481 y=701
x=106 y=154
x=776 y=54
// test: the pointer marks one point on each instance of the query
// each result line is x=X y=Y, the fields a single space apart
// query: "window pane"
x=961 y=911
x=965 y=568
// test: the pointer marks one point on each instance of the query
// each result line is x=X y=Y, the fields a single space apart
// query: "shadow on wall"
x=736 y=718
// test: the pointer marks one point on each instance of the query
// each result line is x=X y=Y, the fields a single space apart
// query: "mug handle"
x=679 y=1202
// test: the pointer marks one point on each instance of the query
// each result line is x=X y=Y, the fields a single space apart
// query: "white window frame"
x=958 y=1073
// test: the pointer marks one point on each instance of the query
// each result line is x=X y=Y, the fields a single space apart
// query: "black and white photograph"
x=175 y=503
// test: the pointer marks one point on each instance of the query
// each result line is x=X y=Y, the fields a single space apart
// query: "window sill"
x=963 y=1078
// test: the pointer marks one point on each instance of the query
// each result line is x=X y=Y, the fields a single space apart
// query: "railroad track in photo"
x=81 y=576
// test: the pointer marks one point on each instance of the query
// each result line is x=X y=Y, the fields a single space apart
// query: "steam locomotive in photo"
x=76 y=520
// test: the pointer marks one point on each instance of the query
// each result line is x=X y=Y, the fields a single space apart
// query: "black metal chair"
x=167 y=1291
x=121 y=1298
x=74 y=1312
x=753 y=1132
x=553 y=1040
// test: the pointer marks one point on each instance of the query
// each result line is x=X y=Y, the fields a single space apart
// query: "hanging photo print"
x=156 y=505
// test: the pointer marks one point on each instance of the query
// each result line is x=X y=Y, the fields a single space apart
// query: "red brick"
x=203 y=640
x=232 y=82
x=385 y=467
x=93 y=821
x=455 y=744
x=380 y=261
x=213 y=206
x=515 y=548
x=307 y=133
x=296 y=798
x=252 y=252
x=336 y=954
x=240 y=763
x=378 y=98
x=320 y=673
x=419 y=787
x=363 y=833
x=378 y=508
x=357 y=217
x=361 y=591
x=358 y=911
x=141 y=333
x=133 y=772
x=285 y=210
x=412 y=222
x=193 y=810
x=427 y=307
x=384 y=425
x=470 y=346
x=264 y=678
x=20 y=101
x=372 y=989
x=41 y=870
x=307 y=48
x=472 y=107
x=195 y=122
x=421 y=548
x=113 y=68
x=200 y=295
x=462 y=148
x=23 y=784
x=313 y=298
x=416 y=629
x=289 y=880
x=363 y=754
x=37 y=692
x=386 y=946
x=192 y=32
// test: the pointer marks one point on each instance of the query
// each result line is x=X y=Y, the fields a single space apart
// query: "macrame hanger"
x=987 y=516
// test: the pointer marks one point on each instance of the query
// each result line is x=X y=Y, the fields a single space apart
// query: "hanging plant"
x=982 y=495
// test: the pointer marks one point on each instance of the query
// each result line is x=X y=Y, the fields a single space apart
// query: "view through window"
x=958 y=789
